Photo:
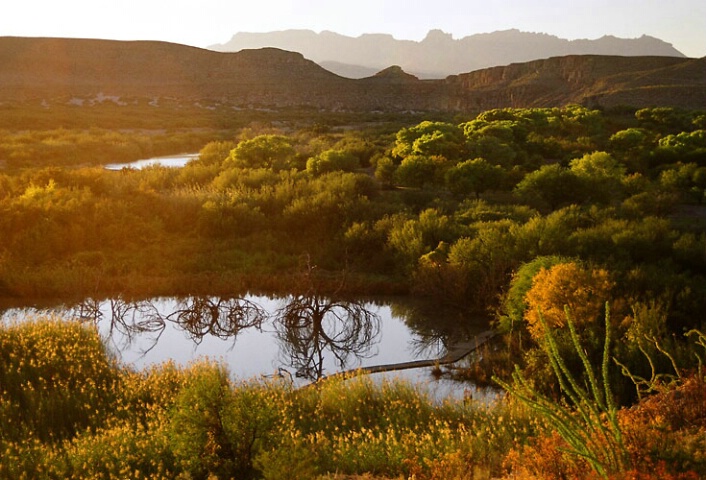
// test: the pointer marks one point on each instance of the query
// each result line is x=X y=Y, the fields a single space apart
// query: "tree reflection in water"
x=437 y=329
x=199 y=317
x=223 y=318
x=308 y=326
x=128 y=318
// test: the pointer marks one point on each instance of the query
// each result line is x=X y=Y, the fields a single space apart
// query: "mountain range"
x=50 y=71
x=438 y=55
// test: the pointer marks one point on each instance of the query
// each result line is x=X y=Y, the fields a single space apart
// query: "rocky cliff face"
x=62 y=70
x=587 y=79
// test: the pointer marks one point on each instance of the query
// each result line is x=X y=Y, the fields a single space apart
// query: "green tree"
x=551 y=186
x=483 y=262
x=411 y=238
x=385 y=171
x=428 y=139
x=664 y=120
x=359 y=144
x=331 y=161
x=215 y=152
x=268 y=151
x=687 y=181
x=550 y=234
x=419 y=170
x=473 y=176
x=598 y=165
x=601 y=174
x=687 y=147
x=496 y=149
x=632 y=146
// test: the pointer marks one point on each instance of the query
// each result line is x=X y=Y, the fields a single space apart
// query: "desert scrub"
x=588 y=424
x=56 y=379
x=392 y=428
x=121 y=451
x=148 y=394
x=112 y=422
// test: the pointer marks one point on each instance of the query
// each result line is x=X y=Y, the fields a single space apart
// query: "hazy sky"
x=206 y=22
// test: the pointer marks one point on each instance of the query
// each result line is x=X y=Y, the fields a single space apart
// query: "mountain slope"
x=51 y=70
x=39 y=66
x=439 y=55
x=605 y=81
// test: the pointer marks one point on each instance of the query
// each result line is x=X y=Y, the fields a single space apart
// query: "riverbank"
x=78 y=283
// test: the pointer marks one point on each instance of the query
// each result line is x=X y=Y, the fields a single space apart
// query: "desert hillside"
x=53 y=70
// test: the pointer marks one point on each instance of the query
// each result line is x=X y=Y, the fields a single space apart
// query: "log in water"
x=457 y=352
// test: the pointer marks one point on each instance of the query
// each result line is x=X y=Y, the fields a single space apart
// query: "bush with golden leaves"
x=583 y=291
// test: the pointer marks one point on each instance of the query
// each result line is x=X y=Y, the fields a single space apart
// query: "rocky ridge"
x=46 y=70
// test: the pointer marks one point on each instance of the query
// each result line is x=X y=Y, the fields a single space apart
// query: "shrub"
x=216 y=429
x=57 y=379
x=514 y=304
x=581 y=290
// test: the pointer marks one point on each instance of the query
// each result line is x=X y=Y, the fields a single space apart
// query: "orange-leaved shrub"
x=568 y=286
x=664 y=434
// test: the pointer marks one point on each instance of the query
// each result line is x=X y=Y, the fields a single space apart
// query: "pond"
x=301 y=338
x=166 y=161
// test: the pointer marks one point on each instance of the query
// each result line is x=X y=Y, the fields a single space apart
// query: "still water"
x=300 y=338
x=167 y=161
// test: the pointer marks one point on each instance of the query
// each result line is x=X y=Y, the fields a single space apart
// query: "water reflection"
x=306 y=334
x=437 y=330
x=219 y=317
x=172 y=161
x=310 y=326
x=130 y=319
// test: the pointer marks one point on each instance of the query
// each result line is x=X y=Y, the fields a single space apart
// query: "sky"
x=202 y=23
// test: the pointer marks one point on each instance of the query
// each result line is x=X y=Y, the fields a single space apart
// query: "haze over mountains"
x=439 y=54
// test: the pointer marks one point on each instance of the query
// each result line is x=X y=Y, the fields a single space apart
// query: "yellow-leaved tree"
x=584 y=291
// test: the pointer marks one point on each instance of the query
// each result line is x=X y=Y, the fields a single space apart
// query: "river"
x=302 y=338
x=166 y=161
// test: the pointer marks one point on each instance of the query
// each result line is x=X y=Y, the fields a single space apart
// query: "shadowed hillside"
x=83 y=72
x=32 y=68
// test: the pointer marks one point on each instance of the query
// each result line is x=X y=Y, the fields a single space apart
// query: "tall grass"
x=69 y=411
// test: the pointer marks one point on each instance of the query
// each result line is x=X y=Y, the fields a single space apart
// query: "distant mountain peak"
x=439 y=55
x=438 y=35
x=395 y=72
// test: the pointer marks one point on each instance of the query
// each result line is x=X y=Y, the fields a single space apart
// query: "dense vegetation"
x=549 y=220
x=70 y=411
